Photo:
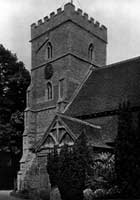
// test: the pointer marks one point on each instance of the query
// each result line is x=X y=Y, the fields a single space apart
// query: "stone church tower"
x=64 y=46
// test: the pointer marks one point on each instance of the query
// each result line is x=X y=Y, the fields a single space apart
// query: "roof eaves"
x=102 y=146
x=79 y=121
x=136 y=59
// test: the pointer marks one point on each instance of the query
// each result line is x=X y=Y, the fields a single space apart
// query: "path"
x=5 y=195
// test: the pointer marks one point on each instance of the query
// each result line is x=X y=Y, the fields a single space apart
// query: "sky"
x=121 y=17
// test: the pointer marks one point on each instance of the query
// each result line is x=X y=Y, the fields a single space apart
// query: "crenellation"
x=33 y=25
x=85 y=16
x=59 y=10
x=68 y=13
x=97 y=24
x=79 y=11
x=46 y=19
x=91 y=20
x=52 y=14
x=40 y=22
x=103 y=27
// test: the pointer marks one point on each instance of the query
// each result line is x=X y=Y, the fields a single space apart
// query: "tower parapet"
x=68 y=14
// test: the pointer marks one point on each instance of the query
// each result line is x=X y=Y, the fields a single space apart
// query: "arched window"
x=91 y=54
x=49 y=91
x=49 y=50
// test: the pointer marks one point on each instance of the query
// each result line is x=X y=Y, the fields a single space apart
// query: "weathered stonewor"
x=68 y=34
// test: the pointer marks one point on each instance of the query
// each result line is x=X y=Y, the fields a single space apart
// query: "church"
x=72 y=89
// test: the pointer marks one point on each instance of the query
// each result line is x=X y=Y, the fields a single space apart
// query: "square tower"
x=64 y=45
x=63 y=48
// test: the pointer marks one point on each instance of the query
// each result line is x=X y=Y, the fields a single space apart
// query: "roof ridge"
x=115 y=64
x=78 y=120
x=120 y=62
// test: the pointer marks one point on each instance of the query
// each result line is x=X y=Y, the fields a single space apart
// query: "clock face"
x=48 y=71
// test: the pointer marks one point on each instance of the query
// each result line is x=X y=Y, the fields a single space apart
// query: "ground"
x=5 y=195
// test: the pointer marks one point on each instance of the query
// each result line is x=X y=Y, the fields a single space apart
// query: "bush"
x=88 y=194
x=113 y=191
x=44 y=194
x=127 y=148
x=68 y=169
x=55 y=194
x=103 y=172
x=104 y=167
x=34 y=194
x=99 y=193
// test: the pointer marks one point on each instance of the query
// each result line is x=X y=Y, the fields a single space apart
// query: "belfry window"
x=49 y=50
x=49 y=91
x=91 y=54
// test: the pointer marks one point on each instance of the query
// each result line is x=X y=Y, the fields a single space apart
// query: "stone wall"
x=36 y=175
x=70 y=33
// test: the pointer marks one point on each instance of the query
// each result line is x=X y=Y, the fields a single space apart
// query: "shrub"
x=127 y=148
x=88 y=194
x=55 y=194
x=44 y=194
x=99 y=193
x=34 y=195
x=113 y=191
x=103 y=172
x=68 y=169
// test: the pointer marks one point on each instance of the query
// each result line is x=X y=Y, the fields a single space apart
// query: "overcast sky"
x=122 y=18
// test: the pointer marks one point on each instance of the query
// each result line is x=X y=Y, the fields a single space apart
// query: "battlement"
x=69 y=13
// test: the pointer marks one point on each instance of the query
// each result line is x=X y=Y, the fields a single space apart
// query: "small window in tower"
x=61 y=88
x=49 y=50
x=49 y=91
x=91 y=52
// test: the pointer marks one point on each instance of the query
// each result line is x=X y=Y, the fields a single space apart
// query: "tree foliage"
x=136 y=164
x=14 y=80
x=83 y=161
x=127 y=161
x=65 y=173
x=104 y=167
x=52 y=167
x=72 y=168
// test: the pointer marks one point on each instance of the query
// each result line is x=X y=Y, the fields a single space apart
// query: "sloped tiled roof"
x=93 y=132
x=106 y=87
x=76 y=127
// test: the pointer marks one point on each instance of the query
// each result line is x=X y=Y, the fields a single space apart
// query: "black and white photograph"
x=69 y=99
